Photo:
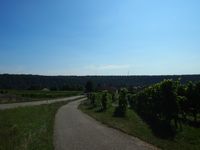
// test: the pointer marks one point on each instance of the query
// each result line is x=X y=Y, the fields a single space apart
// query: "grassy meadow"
x=28 y=127
x=13 y=96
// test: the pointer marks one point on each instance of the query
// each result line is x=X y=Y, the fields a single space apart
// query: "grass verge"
x=28 y=128
x=187 y=139
x=14 y=96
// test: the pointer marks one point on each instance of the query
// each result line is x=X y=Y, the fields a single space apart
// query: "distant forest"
x=35 y=82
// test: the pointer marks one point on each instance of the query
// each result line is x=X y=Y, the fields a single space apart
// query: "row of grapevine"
x=168 y=100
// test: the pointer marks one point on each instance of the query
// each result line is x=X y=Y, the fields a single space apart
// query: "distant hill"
x=8 y=81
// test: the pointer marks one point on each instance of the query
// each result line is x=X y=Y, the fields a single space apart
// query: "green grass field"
x=187 y=139
x=11 y=96
x=28 y=128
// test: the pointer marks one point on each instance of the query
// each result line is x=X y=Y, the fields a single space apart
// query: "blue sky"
x=100 y=37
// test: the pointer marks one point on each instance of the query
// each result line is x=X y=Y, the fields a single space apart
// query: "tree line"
x=36 y=82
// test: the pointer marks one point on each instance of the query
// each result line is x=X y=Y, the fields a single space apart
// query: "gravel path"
x=23 y=104
x=75 y=130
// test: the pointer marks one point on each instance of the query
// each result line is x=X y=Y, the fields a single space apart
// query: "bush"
x=159 y=102
x=193 y=96
x=120 y=111
x=114 y=98
x=92 y=99
x=104 y=101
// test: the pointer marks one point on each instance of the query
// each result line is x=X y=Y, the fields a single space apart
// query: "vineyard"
x=169 y=109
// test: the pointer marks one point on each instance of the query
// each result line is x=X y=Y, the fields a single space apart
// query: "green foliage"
x=120 y=111
x=183 y=106
x=169 y=109
x=114 y=97
x=158 y=102
x=11 y=96
x=192 y=94
x=28 y=127
x=167 y=101
x=77 y=83
x=100 y=100
x=92 y=98
x=104 y=100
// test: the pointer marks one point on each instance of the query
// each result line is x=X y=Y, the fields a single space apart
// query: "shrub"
x=193 y=95
x=120 y=111
x=104 y=101
x=92 y=99
x=159 y=102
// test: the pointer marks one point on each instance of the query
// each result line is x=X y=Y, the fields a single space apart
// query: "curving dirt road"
x=34 y=103
x=75 y=130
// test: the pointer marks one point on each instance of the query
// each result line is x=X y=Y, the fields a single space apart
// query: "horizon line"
x=101 y=74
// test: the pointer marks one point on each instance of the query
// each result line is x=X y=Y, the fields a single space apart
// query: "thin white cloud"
x=108 y=67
